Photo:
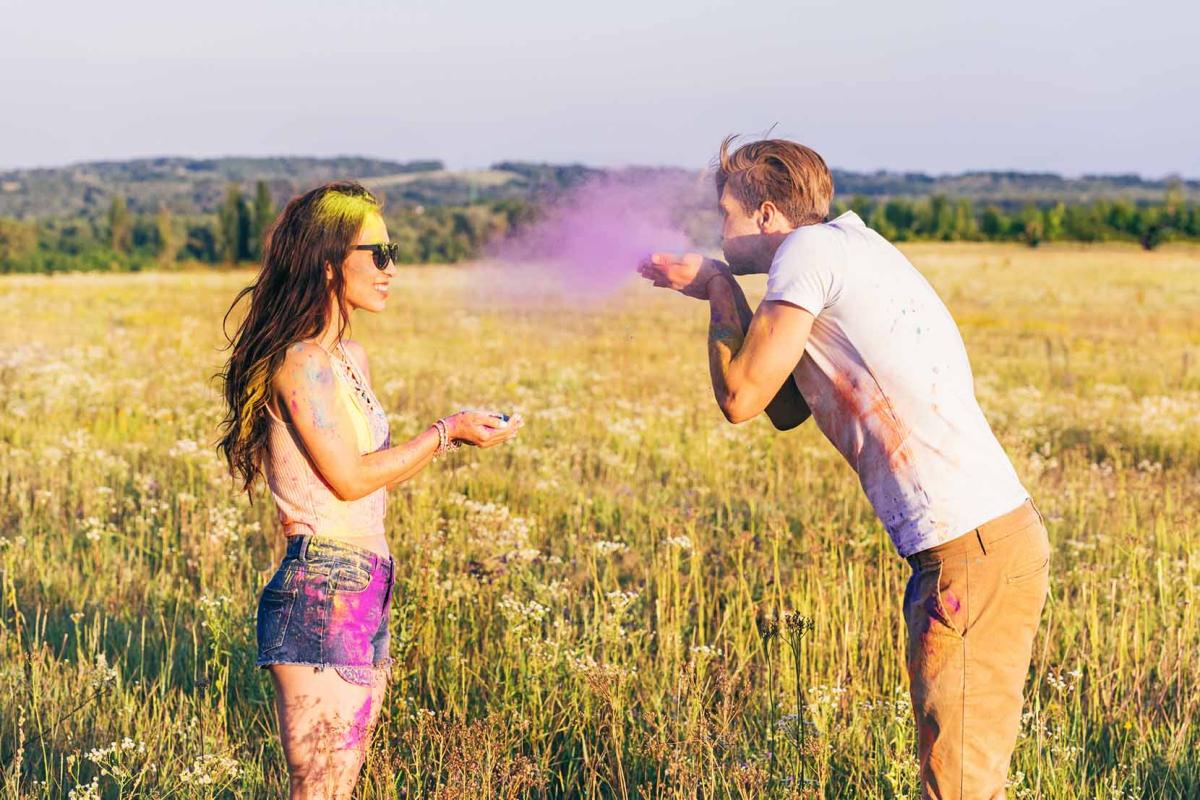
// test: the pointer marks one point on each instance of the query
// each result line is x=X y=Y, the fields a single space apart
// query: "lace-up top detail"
x=352 y=378
x=306 y=502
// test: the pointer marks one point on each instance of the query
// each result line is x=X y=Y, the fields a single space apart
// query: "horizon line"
x=612 y=166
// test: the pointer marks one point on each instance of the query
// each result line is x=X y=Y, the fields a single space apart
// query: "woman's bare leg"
x=325 y=725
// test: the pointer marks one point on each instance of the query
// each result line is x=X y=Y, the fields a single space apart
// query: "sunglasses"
x=383 y=254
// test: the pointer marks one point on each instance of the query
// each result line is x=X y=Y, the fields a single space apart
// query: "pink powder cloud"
x=590 y=241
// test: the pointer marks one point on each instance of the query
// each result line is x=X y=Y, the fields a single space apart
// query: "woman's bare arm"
x=305 y=385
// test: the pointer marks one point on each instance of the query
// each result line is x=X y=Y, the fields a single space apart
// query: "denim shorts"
x=327 y=606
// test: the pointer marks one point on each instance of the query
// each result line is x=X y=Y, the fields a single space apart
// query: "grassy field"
x=576 y=614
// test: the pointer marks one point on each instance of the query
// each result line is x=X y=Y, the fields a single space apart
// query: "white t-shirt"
x=887 y=378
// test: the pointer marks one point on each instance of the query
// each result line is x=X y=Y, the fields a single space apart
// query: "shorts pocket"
x=350 y=578
x=274 y=613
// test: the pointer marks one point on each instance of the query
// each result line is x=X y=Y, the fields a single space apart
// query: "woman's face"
x=366 y=284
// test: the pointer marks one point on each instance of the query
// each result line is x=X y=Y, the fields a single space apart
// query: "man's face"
x=741 y=236
x=750 y=238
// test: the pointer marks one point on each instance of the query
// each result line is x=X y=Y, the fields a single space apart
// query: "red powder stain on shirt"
x=867 y=405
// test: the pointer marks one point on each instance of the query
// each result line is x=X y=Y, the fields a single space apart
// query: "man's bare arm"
x=729 y=323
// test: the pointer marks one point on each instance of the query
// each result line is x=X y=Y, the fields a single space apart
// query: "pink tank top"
x=305 y=501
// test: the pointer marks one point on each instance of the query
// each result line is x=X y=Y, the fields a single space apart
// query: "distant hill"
x=197 y=186
x=1007 y=188
x=185 y=185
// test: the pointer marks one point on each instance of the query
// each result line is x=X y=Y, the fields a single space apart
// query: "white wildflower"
x=86 y=791
x=621 y=600
x=183 y=447
x=605 y=548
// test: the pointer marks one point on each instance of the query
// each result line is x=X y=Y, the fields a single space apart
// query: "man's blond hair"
x=788 y=174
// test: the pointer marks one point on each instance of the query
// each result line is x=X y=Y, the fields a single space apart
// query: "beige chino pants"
x=972 y=608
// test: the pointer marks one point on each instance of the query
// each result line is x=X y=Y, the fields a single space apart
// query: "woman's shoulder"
x=304 y=360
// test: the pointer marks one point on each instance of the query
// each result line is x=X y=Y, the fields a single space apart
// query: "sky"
x=940 y=87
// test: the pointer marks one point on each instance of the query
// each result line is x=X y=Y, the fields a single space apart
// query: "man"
x=876 y=359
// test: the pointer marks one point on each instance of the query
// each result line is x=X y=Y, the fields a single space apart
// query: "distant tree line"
x=121 y=240
x=939 y=218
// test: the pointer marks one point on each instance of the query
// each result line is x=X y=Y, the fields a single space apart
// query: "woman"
x=300 y=410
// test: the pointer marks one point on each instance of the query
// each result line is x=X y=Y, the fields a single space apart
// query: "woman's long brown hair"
x=289 y=302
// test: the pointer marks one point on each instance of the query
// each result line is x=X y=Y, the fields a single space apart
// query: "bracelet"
x=443 y=439
x=445 y=443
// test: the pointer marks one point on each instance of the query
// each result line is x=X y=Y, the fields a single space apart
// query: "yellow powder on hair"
x=334 y=208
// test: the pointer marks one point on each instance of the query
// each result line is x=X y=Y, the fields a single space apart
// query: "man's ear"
x=772 y=220
x=767 y=212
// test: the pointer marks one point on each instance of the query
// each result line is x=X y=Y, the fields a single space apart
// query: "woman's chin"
x=375 y=305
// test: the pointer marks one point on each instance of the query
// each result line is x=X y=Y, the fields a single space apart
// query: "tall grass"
x=575 y=615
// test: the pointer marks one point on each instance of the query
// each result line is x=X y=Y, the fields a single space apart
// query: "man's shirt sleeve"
x=804 y=273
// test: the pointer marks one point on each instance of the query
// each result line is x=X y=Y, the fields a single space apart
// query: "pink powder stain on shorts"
x=312 y=603
x=349 y=615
